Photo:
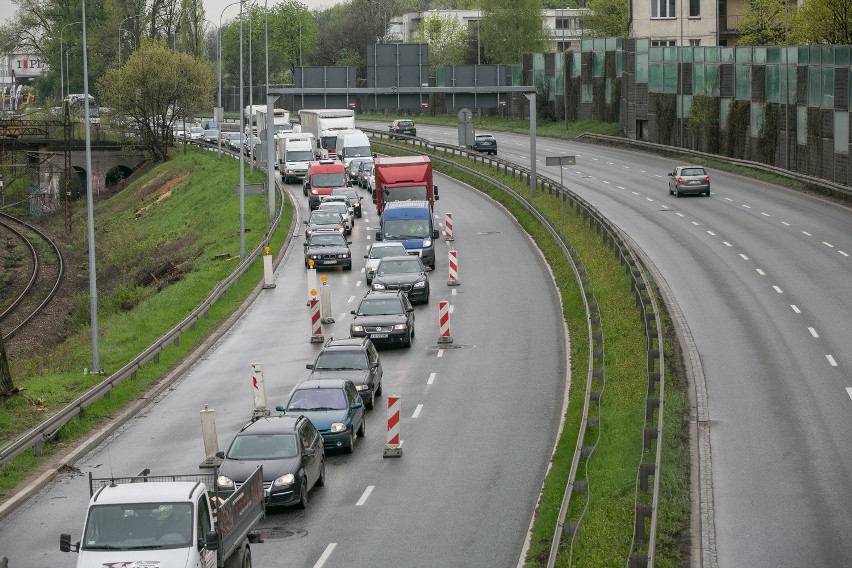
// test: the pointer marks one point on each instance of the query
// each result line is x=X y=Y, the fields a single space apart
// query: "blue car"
x=335 y=409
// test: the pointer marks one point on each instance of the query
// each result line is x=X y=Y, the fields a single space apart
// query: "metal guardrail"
x=820 y=182
x=646 y=301
x=45 y=431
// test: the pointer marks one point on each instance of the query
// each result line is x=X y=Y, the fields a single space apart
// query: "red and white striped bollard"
x=393 y=446
x=444 y=322
x=316 y=322
x=448 y=227
x=454 y=268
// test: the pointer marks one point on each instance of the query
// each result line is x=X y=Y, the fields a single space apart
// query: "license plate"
x=329 y=262
x=694 y=181
x=378 y=335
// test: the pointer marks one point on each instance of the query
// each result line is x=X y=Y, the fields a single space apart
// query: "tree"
x=446 y=37
x=155 y=88
x=606 y=18
x=762 y=22
x=192 y=27
x=824 y=21
x=7 y=387
x=511 y=28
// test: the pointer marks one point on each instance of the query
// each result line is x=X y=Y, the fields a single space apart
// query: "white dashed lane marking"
x=351 y=298
x=759 y=271
x=795 y=308
x=417 y=411
x=744 y=257
x=849 y=391
x=696 y=223
x=711 y=233
x=364 y=496
x=829 y=245
x=831 y=360
x=746 y=206
x=431 y=379
x=777 y=289
x=727 y=244
x=326 y=553
x=814 y=333
x=843 y=253
x=766 y=214
x=807 y=234
x=785 y=223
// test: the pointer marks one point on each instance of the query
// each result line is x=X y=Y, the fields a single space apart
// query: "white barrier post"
x=325 y=301
x=444 y=322
x=448 y=227
x=268 y=276
x=454 y=268
x=316 y=324
x=393 y=446
x=312 y=279
x=211 y=440
x=258 y=389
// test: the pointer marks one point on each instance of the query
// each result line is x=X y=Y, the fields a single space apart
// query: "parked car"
x=289 y=448
x=324 y=221
x=328 y=248
x=689 y=179
x=341 y=207
x=403 y=126
x=351 y=196
x=385 y=317
x=353 y=358
x=364 y=172
x=335 y=408
x=406 y=273
x=485 y=143
x=376 y=252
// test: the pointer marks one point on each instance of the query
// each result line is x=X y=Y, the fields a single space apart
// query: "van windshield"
x=300 y=156
x=356 y=151
x=333 y=179
x=405 y=192
x=407 y=229
x=328 y=142
x=138 y=526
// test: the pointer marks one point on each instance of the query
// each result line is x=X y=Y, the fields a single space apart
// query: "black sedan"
x=485 y=143
x=384 y=317
x=406 y=273
x=402 y=126
x=289 y=448
x=353 y=358
x=328 y=248
x=325 y=220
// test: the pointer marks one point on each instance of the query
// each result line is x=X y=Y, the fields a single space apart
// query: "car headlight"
x=344 y=255
x=341 y=229
x=338 y=427
x=314 y=192
x=360 y=387
x=378 y=286
x=420 y=284
x=400 y=327
x=286 y=479
x=427 y=242
x=315 y=256
x=358 y=328
x=223 y=481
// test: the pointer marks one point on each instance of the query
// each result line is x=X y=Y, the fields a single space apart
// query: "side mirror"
x=309 y=452
x=374 y=365
x=671 y=173
x=65 y=543
x=309 y=366
x=436 y=234
x=379 y=235
x=348 y=242
x=305 y=244
x=352 y=312
x=279 y=408
x=357 y=404
x=409 y=310
x=427 y=269
x=435 y=192
x=220 y=454
x=305 y=222
x=211 y=540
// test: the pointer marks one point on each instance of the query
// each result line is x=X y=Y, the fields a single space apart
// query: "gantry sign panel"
x=461 y=76
x=391 y=66
x=324 y=78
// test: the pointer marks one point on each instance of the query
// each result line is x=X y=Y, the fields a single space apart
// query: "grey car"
x=485 y=143
x=327 y=249
x=684 y=180
x=384 y=317
x=324 y=220
x=353 y=358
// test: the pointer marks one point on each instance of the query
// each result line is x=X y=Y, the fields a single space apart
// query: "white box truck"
x=295 y=150
x=168 y=521
x=280 y=121
x=324 y=125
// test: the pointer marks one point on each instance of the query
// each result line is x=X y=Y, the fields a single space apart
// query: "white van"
x=352 y=144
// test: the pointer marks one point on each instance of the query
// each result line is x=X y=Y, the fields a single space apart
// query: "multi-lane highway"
x=479 y=421
x=763 y=277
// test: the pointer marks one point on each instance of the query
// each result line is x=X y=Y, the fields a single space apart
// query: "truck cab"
x=402 y=178
x=323 y=177
x=410 y=223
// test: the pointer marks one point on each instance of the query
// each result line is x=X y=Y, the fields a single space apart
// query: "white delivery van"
x=352 y=144
x=295 y=151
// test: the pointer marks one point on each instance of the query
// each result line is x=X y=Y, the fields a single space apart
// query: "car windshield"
x=332 y=179
x=300 y=156
x=367 y=167
x=406 y=229
x=379 y=307
x=317 y=399
x=327 y=239
x=138 y=526
x=325 y=218
x=407 y=266
x=263 y=447
x=406 y=192
x=692 y=172
x=487 y=138
x=383 y=251
x=347 y=193
x=335 y=360
x=335 y=206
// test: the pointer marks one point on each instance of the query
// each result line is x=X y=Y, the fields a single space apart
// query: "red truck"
x=323 y=177
x=403 y=178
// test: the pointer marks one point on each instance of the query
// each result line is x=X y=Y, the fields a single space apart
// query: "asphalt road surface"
x=479 y=421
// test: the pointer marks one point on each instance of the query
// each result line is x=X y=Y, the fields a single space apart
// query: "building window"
x=563 y=45
x=663 y=9
x=694 y=8
x=662 y=43
x=694 y=42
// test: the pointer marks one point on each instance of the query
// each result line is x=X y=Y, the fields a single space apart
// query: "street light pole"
x=251 y=99
x=61 y=69
x=242 y=150
x=219 y=103
x=270 y=124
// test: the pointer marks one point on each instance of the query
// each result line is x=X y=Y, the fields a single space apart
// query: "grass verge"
x=162 y=244
x=606 y=532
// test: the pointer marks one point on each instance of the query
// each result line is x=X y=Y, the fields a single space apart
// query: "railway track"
x=32 y=269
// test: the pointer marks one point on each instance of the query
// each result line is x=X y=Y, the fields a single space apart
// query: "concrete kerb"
x=49 y=472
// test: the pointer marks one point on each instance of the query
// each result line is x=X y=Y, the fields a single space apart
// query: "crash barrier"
x=453 y=256
x=48 y=429
x=444 y=322
x=643 y=546
x=448 y=227
x=393 y=446
x=316 y=321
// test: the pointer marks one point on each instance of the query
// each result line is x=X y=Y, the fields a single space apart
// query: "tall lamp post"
x=61 y=69
x=119 y=36
x=219 y=103
x=251 y=98
x=242 y=153
x=270 y=135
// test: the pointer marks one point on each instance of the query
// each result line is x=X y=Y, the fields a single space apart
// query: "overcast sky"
x=213 y=8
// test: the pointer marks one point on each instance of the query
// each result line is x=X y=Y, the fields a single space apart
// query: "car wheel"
x=677 y=192
x=321 y=478
x=670 y=191
x=372 y=402
x=362 y=431
x=407 y=342
x=351 y=447
x=379 y=390
x=303 y=494
x=247 y=558
x=707 y=193
x=347 y=267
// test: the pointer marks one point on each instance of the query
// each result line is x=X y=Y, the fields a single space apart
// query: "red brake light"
x=680 y=180
x=707 y=179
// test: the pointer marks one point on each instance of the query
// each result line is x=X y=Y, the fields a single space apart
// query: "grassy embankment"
x=606 y=532
x=162 y=244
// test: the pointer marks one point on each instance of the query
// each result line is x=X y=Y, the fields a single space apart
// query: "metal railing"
x=646 y=302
